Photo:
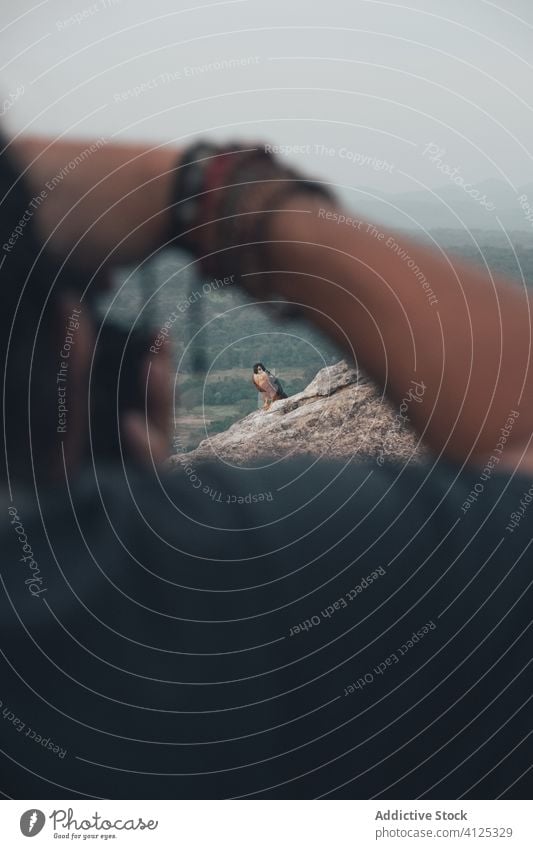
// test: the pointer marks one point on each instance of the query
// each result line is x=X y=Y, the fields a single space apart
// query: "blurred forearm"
x=407 y=313
x=107 y=203
x=469 y=344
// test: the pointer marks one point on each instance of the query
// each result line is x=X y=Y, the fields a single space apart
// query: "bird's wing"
x=279 y=387
x=271 y=385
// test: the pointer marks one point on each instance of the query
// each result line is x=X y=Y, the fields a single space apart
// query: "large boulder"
x=339 y=414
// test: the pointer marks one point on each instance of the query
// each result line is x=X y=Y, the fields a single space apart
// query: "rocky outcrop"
x=339 y=414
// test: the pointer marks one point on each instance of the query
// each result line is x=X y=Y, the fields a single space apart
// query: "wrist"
x=157 y=187
x=294 y=236
x=224 y=201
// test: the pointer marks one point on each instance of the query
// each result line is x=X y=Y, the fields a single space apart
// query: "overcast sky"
x=366 y=85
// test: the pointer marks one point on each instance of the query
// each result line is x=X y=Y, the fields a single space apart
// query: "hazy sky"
x=372 y=82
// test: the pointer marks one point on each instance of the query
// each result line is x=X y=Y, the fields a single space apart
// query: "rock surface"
x=339 y=414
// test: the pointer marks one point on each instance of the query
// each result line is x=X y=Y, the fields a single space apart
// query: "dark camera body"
x=116 y=386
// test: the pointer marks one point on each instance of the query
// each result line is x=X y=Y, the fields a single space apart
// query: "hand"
x=147 y=433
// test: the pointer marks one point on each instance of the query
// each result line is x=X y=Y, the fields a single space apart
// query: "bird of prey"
x=267 y=384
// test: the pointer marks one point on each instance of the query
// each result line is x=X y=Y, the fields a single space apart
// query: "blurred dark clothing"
x=160 y=657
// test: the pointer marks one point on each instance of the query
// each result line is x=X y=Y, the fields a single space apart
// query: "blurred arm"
x=460 y=356
x=107 y=201
x=463 y=351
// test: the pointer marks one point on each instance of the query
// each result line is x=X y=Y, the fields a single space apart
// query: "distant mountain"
x=446 y=207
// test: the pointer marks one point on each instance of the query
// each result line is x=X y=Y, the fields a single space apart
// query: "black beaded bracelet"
x=235 y=222
x=189 y=185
